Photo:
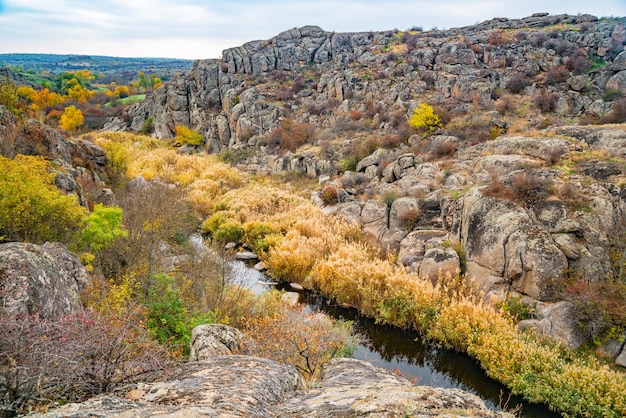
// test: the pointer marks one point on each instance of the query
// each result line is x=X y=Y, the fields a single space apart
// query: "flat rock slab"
x=353 y=388
x=246 y=255
x=224 y=386
x=243 y=386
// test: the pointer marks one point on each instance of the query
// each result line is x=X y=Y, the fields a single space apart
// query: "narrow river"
x=403 y=351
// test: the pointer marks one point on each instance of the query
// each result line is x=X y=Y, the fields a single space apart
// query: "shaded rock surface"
x=43 y=279
x=242 y=386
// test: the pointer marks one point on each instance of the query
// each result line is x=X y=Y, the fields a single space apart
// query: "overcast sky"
x=203 y=28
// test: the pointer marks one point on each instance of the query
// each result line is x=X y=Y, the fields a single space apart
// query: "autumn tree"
x=71 y=119
x=187 y=136
x=424 y=119
x=9 y=96
x=39 y=100
x=79 y=93
x=32 y=208
x=306 y=340
x=155 y=214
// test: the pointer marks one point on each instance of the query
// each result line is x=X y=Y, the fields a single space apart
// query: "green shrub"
x=148 y=126
x=229 y=231
x=167 y=319
x=104 y=225
x=256 y=232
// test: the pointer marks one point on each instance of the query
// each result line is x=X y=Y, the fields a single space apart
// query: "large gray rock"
x=211 y=340
x=544 y=149
x=621 y=359
x=617 y=82
x=228 y=386
x=557 y=321
x=243 y=386
x=41 y=279
x=351 y=388
x=439 y=262
x=404 y=213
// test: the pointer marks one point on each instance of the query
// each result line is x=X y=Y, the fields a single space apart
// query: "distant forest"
x=109 y=69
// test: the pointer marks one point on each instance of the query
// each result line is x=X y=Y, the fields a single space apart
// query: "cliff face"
x=309 y=75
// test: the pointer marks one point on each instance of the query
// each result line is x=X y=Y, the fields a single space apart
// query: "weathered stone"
x=41 y=279
x=354 y=388
x=234 y=386
x=439 y=262
x=557 y=320
x=211 y=340
x=619 y=63
x=545 y=149
x=413 y=246
x=370 y=160
x=296 y=286
x=617 y=82
x=375 y=217
x=621 y=359
x=504 y=164
x=351 y=212
x=290 y=298
x=390 y=239
x=485 y=229
x=404 y=213
x=246 y=255
x=534 y=264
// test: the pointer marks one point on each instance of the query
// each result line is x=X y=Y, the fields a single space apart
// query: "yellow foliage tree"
x=79 y=93
x=424 y=119
x=31 y=206
x=71 y=119
x=39 y=100
x=186 y=136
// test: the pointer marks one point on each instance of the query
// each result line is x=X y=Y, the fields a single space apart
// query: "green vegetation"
x=167 y=318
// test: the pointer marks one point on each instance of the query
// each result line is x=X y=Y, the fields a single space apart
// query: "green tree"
x=424 y=119
x=104 y=225
x=71 y=119
x=32 y=208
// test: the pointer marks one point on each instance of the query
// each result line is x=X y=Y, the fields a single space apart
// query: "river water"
x=399 y=350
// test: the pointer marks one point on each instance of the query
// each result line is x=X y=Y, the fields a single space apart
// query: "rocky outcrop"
x=501 y=213
x=350 y=387
x=211 y=340
x=242 y=386
x=40 y=279
x=308 y=75
x=13 y=78
x=236 y=386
